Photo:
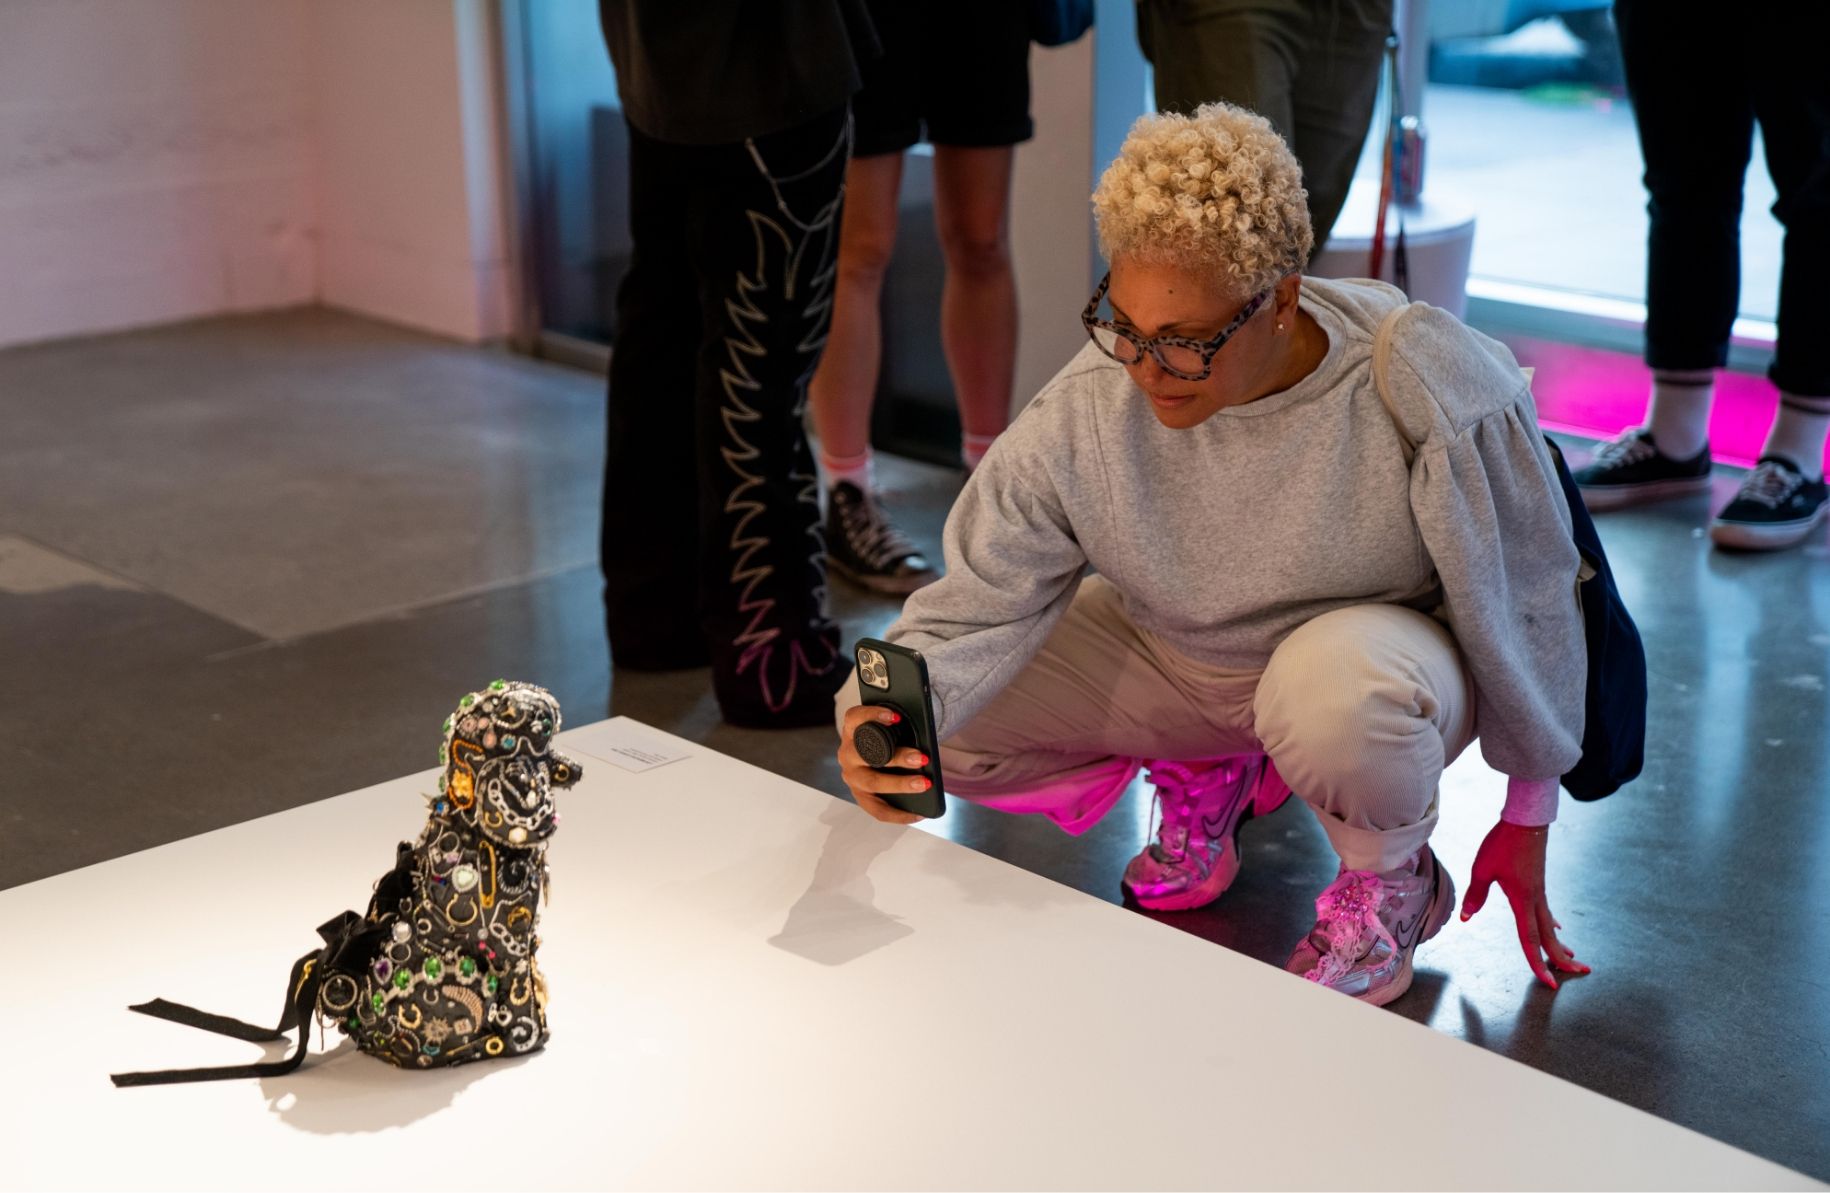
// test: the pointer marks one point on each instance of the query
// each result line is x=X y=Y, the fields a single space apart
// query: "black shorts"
x=953 y=72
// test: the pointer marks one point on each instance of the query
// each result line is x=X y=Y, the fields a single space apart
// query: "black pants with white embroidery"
x=711 y=532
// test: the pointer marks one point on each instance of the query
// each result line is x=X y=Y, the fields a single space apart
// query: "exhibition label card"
x=626 y=744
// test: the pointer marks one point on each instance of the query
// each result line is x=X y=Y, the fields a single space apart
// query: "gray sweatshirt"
x=1225 y=537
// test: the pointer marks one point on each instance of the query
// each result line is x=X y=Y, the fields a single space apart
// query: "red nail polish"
x=927 y=784
x=895 y=718
x=924 y=760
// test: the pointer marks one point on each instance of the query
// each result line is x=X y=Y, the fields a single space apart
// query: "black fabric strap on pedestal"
x=222 y=1025
x=301 y=1001
x=302 y=988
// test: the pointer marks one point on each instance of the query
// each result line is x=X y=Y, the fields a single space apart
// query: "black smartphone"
x=896 y=677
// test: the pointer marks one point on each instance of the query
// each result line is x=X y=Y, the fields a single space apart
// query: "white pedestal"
x=1438 y=236
x=754 y=985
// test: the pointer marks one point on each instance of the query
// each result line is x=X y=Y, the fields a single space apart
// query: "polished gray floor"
x=249 y=563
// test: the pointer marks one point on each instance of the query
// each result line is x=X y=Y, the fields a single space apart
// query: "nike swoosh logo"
x=1404 y=932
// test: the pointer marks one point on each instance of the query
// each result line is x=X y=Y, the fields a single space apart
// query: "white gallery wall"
x=156 y=162
x=169 y=159
x=409 y=164
x=163 y=160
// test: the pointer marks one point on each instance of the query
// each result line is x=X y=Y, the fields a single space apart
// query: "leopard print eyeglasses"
x=1180 y=356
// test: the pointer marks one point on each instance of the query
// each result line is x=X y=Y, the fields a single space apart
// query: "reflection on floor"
x=248 y=563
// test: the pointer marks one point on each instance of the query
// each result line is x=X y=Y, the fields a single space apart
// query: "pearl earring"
x=1280 y=327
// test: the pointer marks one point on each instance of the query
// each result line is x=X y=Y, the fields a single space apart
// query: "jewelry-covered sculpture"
x=441 y=970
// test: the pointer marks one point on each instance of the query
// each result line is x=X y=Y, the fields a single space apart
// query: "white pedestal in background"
x=1439 y=238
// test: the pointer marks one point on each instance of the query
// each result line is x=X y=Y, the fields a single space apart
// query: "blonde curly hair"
x=1215 y=191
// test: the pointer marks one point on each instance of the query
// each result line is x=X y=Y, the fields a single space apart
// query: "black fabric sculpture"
x=441 y=970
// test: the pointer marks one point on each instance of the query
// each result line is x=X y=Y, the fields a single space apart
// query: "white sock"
x=1799 y=432
x=860 y=470
x=974 y=447
x=1679 y=417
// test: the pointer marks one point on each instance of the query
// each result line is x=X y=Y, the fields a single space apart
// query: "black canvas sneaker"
x=1629 y=470
x=865 y=547
x=1776 y=507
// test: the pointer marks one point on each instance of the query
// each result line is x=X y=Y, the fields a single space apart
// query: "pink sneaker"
x=1195 y=855
x=1368 y=925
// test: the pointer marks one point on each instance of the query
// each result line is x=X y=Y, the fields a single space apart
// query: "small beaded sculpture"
x=442 y=969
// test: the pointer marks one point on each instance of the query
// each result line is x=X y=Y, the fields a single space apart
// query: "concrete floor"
x=249 y=563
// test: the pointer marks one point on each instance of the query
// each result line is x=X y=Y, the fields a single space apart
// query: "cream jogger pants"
x=1359 y=709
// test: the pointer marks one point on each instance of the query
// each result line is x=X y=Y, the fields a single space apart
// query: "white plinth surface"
x=756 y=986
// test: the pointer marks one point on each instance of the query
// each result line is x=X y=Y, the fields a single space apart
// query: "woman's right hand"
x=868 y=787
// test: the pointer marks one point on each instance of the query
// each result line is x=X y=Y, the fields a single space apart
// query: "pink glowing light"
x=1596 y=393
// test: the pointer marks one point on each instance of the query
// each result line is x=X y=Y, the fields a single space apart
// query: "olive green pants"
x=1310 y=67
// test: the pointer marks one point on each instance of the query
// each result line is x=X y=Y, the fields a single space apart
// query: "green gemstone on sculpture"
x=443 y=754
x=379 y=1001
x=433 y=968
x=467 y=968
x=447 y=724
x=499 y=685
x=467 y=701
x=489 y=983
x=402 y=979
x=441 y=782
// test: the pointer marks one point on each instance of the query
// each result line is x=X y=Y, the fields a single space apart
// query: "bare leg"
x=978 y=314
x=846 y=380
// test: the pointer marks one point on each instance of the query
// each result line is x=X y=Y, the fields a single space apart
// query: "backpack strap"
x=1383 y=340
x=1381 y=370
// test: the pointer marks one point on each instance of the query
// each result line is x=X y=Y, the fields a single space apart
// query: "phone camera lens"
x=873 y=669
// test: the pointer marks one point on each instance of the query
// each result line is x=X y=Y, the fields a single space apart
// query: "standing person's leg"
x=765 y=217
x=1784 y=499
x=978 y=306
x=651 y=516
x=1243 y=53
x=861 y=542
x=845 y=384
x=975 y=98
x=1695 y=140
x=1362 y=709
x=886 y=121
x=1332 y=100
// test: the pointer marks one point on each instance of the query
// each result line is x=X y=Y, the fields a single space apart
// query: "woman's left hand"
x=1514 y=857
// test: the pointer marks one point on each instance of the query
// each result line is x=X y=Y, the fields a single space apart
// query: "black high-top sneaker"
x=865 y=547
